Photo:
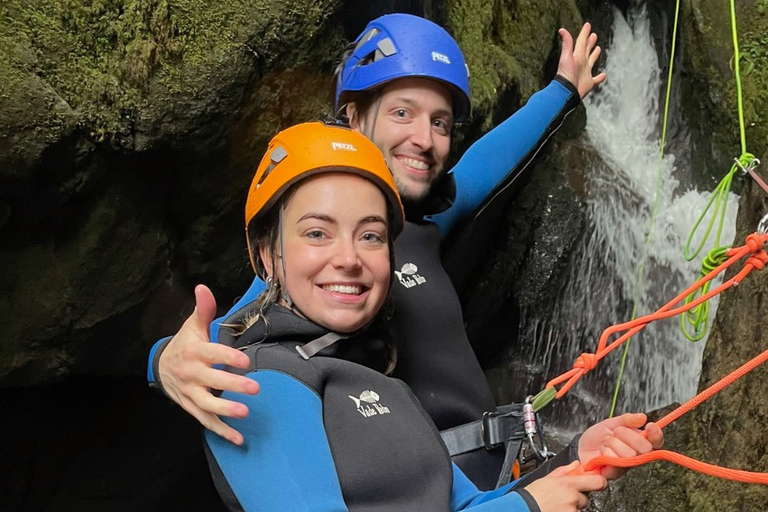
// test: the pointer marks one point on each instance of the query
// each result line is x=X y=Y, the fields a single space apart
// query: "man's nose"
x=421 y=134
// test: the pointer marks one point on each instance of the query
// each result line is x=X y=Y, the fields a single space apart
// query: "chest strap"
x=313 y=347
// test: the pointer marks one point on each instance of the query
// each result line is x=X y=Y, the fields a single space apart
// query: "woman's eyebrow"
x=318 y=216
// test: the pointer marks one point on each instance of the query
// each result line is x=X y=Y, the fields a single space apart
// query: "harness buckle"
x=486 y=430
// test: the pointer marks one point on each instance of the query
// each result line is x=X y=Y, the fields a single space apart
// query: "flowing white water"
x=616 y=265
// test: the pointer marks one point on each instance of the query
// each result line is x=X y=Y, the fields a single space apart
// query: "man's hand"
x=619 y=437
x=187 y=376
x=561 y=492
x=576 y=62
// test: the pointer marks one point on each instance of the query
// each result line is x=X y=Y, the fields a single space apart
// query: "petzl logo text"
x=343 y=145
x=440 y=57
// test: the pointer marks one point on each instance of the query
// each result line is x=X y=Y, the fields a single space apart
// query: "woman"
x=329 y=430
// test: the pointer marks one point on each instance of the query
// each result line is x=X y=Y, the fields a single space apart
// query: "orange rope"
x=588 y=361
x=708 y=469
x=713 y=389
x=702 y=467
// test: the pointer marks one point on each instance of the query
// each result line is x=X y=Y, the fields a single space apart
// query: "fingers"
x=567 y=40
x=565 y=470
x=205 y=306
x=594 y=56
x=599 y=79
x=591 y=42
x=215 y=425
x=655 y=435
x=203 y=400
x=215 y=353
x=628 y=443
x=590 y=483
x=226 y=381
x=582 y=41
x=634 y=420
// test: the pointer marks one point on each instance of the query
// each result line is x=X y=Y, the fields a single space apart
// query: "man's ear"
x=266 y=259
x=354 y=116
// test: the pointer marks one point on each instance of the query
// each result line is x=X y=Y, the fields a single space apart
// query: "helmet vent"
x=367 y=37
x=276 y=157
x=278 y=154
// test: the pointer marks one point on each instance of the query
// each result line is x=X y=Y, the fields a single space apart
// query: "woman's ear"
x=266 y=259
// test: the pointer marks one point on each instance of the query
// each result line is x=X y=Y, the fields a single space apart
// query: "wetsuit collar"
x=440 y=198
x=367 y=347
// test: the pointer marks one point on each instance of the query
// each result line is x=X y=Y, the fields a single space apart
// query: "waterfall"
x=614 y=267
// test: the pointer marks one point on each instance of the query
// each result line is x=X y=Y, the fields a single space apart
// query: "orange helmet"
x=308 y=149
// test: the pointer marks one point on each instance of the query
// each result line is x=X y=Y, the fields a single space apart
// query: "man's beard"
x=410 y=197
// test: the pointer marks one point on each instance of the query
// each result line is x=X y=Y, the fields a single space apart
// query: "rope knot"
x=758 y=260
x=755 y=242
x=586 y=362
x=746 y=159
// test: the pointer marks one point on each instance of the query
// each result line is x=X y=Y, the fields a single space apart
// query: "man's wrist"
x=153 y=370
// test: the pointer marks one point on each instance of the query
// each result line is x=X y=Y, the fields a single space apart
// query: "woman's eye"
x=373 y=237
x=401 y=113
x=315 y=234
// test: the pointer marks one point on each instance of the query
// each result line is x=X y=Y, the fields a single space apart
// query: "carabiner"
x=762 y=226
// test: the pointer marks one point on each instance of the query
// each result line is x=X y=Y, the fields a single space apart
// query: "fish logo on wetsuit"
x=409 y=276
x=368 y=404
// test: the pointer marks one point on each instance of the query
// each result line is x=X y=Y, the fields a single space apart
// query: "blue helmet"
x=402 y=45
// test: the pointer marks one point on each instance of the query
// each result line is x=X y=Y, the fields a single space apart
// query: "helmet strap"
x=284 y=292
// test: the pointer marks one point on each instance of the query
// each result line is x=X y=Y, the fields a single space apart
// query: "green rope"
x=736 y=61
x=641 y=267
x=698 y=317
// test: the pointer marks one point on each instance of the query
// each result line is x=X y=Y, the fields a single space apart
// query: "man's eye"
x=401 y=113
x=441 y=125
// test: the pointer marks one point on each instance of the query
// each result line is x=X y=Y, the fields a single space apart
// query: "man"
x=404 y=84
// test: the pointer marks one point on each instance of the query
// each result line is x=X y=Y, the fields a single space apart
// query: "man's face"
x=411 y=124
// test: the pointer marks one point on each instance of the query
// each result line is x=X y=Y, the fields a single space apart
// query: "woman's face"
x=335 y=251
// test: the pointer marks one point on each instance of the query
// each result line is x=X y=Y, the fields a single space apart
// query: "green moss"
x=103 y=56
x=710 y=53
x=506 y=45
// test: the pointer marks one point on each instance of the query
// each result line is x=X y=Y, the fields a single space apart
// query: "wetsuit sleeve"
x=285 y=462
x=257 y=286
x=465 y=496
x=502 y=155
x=567 y=455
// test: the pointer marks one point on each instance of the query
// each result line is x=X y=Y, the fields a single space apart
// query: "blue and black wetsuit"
x=332 y=433
x=435 y=356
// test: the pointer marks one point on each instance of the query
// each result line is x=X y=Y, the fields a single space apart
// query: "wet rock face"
x=128 y=134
